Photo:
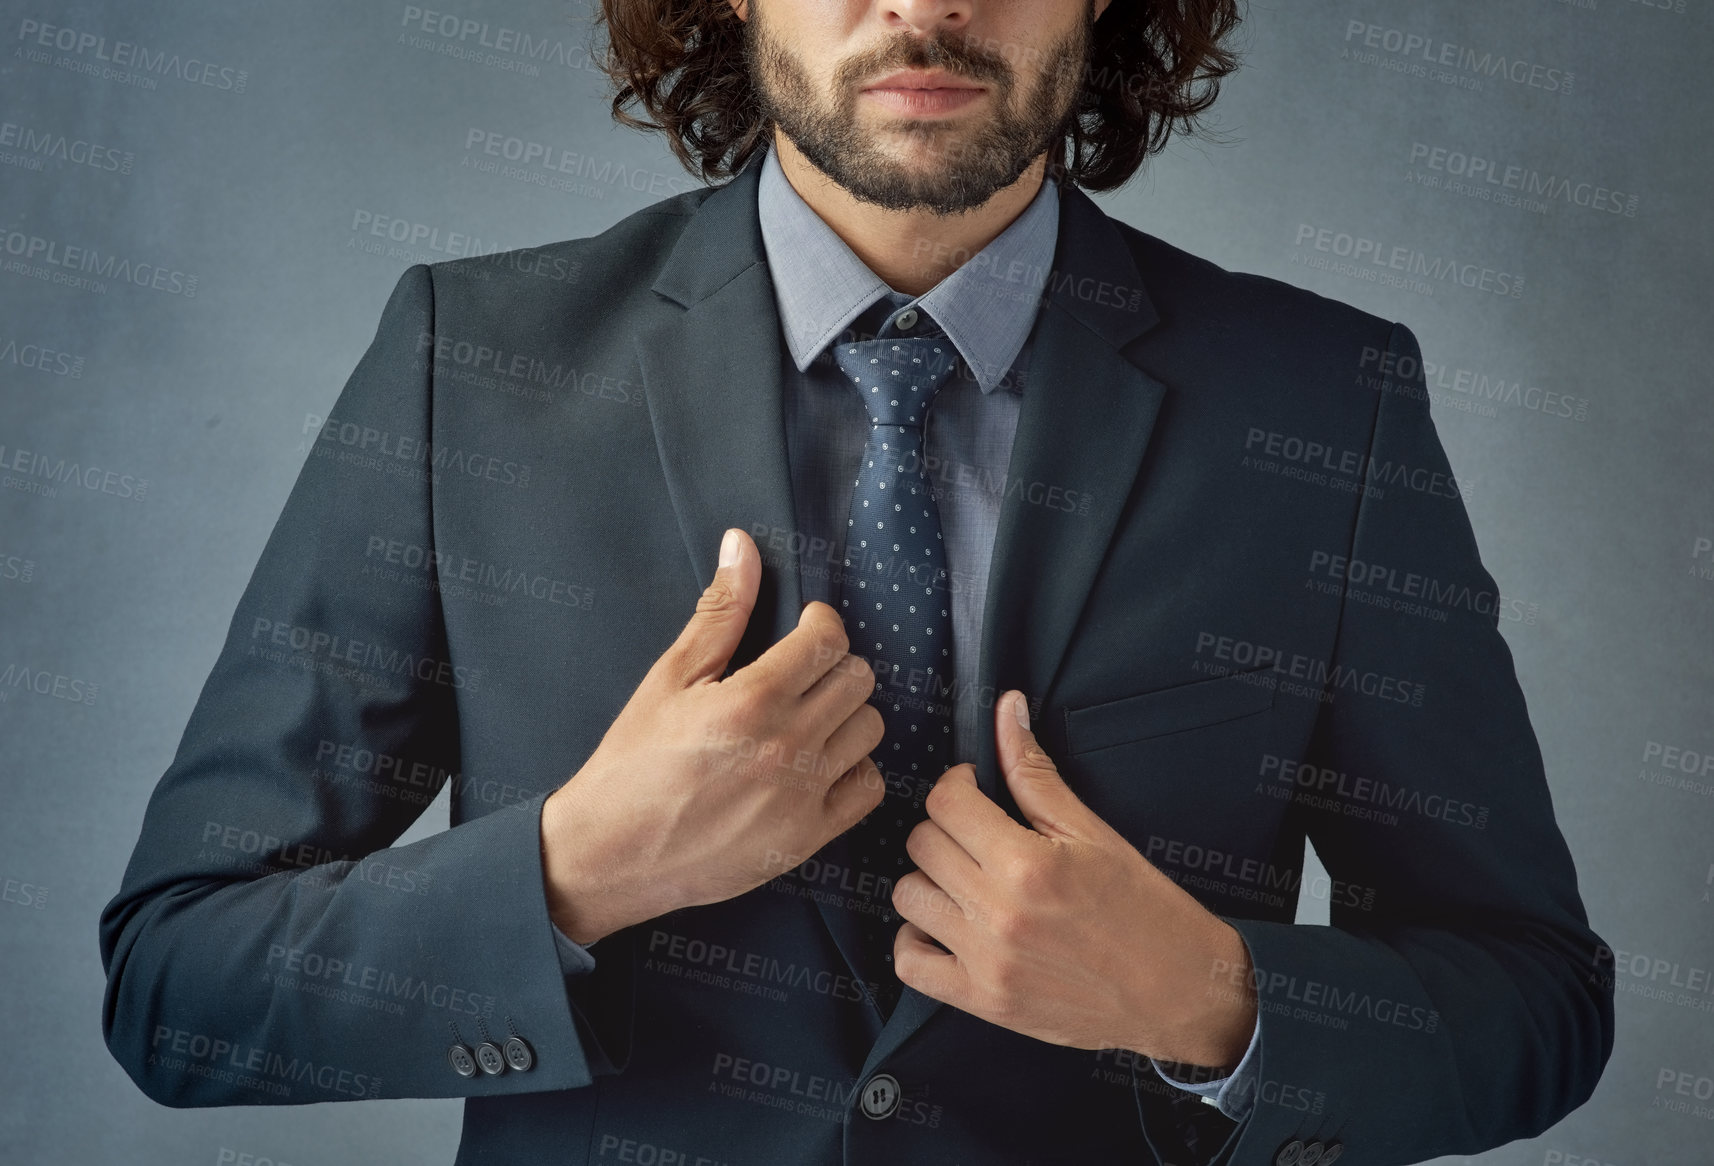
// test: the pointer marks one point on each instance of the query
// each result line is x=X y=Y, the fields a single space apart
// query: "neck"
x=911 y=250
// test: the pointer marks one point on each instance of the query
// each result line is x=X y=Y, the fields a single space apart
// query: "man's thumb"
x=1050 y=805
x=705 y=646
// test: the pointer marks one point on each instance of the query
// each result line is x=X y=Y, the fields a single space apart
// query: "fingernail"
x=729 y=548
x=1021 y=710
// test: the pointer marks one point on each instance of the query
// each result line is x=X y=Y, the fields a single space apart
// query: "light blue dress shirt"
x=987 y=307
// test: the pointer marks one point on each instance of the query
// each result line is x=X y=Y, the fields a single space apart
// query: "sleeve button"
x=519 y=1055
x=491 y=1060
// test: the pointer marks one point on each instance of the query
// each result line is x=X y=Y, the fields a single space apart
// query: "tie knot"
x=897 y=377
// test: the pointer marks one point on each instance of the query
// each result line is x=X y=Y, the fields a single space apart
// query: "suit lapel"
x=713 y=380
x=1083 y=425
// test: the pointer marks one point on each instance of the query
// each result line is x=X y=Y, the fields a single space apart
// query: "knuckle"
x=862 y=672
x=747 y=707
x=828 y=629
x=936 y=801
x=876 y=723
x=1007 y=923
x=911 y=892
x=916 y=844
x=1036 y=757
x=718 y=598
x=1002 y=994
x=875 y=783
x=1020 y=870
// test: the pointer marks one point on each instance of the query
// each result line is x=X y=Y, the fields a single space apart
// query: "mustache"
x=948 y=51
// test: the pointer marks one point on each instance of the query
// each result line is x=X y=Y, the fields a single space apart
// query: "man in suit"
x=976 y=837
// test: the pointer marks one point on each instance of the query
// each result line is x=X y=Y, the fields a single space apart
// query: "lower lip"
x=924 y=100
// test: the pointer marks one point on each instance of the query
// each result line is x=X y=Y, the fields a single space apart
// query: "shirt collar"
x=986 y=306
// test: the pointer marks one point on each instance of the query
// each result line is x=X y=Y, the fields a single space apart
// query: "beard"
x=969 y=165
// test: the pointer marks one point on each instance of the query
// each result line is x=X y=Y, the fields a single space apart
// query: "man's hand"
x=703 y=788
x=1065 y=932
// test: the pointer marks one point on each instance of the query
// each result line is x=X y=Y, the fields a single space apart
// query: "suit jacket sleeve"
x=1459 y=999
x=269 y=944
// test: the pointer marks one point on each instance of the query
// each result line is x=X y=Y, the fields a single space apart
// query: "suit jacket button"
x=1289 y=1154
x=519 y=1054
x=1333 y=1150
x=1311 y=1154
x=880 y=1096
x=462 y=1062
x=491 y=1060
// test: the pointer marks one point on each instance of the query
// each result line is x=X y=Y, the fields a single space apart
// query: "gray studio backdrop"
x=204 y=205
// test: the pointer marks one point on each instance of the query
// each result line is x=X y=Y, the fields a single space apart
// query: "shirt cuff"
x=1232 y=1094
x=575 y=959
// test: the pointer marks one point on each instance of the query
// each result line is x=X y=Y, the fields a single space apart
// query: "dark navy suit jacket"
x=1264 y=618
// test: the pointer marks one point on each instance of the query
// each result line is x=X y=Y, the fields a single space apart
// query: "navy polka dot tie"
x=896 y=602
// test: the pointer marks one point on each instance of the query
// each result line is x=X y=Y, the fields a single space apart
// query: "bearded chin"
x=963 y=176
x=969 y=170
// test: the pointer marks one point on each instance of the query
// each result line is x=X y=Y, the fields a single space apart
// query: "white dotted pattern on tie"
x=894 y=599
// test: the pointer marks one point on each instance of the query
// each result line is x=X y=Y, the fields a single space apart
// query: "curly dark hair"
x=1155 y=66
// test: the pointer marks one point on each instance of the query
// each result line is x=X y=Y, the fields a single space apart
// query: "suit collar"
x=986 y=306
x=1100 y=287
